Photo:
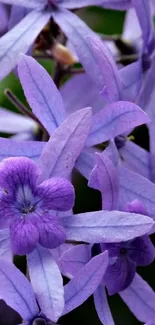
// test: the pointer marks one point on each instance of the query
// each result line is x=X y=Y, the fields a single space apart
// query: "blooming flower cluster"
x=80 y=120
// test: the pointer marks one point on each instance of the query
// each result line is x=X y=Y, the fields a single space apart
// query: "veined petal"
x=5 y=246
x=29 y=4
x=140 y=298
x=72 y=4
x=106 y=226
x=108 y=69
x=47 y=282
x=104 y=177
x=134 y=186
x=66 y=144
x=85 y=282
x=114 y=120
x=41 y=93
x=56 y=194
x=16 y=291
x=19 y=39
x=101 y=305
x=74 y=258
x=77 y=32
x=135 y=158
x=12 y=148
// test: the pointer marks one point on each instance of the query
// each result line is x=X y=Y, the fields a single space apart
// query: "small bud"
x=62 y=54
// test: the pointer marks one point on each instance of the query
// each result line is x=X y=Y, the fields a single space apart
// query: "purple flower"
x=26 y=205
x=126 y=256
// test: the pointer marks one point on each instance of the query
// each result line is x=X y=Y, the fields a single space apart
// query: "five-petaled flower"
x=26 y=205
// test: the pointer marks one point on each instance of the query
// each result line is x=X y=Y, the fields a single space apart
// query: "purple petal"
x=142 y=251
x=117 y=4
x=12 y=148
x=73 y=259
x=134 y=186
x=85 y=282
x=18 y=172
x=17 y=13
x=75 y=94
x=16 y=291
x=131 y=28
x=131 y=79
x=19 y=39
x=5 y=247
x=72 y=4
x=104 y=178
x=101 y=306
x=11 y=122
x=51 y=233
x=86 y=162
x=66 y=144
x=77 y=32
x=47 y=283
x=41 y=93
x=119 y=275
x=106 y=226
x=56 y=194
x=143 y=12
x=140 y=298
x=108 y=69
x=24 y=237
x=114 y=120
x=4 y=15
x=135 y=158
x=29 y=4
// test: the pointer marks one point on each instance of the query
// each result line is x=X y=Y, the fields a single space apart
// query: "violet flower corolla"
x=17 y=291
x=120 y=275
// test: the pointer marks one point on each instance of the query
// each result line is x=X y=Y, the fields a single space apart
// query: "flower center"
x=26 y=210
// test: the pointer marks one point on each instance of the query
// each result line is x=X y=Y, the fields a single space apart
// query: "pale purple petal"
x=19 y=39
x=73 y=259
x=77 y=32
x=140 y=298
x=143 y=11
x=117 y=4
x=86 y=162
x=56 y=194
x=135 y=158
x=106 y=226
x=16 y=291
x=104 y=178
x=75 y=94
x=72 y=4
x=114 y=120
x=108 y=69
x=134 y=186
x=66 y=144
x=119 y=275
x=11 y=122
x=41 y=93
x=5 y=247
x=47 y=282
x=17 y=13
x=24 y=237
x=131 y=80
x=85 y=282
x=12 y=148
x=30 y=4
x=102 y=306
